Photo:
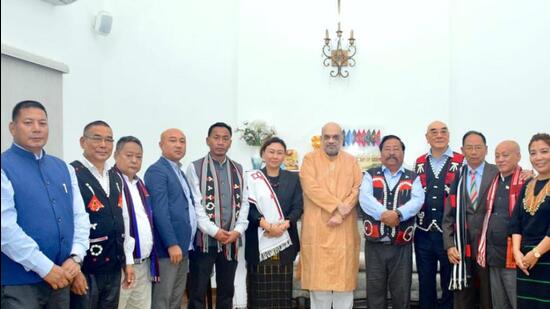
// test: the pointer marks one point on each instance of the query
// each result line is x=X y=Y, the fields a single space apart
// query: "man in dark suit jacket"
x=477 y=175
x=174 y=217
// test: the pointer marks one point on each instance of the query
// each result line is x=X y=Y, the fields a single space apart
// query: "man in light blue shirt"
x=45 y=227
x=390 y=196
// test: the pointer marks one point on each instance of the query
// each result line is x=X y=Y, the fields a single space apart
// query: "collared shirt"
x=102 y=178
x=479 y=176
x=186 y=186
x=438 y=163
x=142 y=220
x=24 y=250
x=370 y=204
x=205 y=225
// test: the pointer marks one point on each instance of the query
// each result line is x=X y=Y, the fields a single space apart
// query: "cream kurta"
x=329 y=255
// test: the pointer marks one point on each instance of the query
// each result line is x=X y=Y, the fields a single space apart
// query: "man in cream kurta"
x=330 y=238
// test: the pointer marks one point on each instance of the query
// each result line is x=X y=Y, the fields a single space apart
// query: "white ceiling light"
x=59 y=2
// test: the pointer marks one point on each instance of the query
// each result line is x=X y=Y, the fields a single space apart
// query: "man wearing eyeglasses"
x=98 y=286
x=462 y=222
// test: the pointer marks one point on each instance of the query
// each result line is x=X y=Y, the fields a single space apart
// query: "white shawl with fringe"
x=262 y=195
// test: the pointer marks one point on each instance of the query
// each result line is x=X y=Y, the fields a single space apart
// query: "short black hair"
x=125 y=140
x=270 y=141
x=26 y=104
x=220 y=125
x=388 y=137
x=95 y=123
x=471 y=132
x=545 y=137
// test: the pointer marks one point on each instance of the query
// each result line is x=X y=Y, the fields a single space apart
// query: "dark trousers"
x=201 y=268
x=428 y=248
x=34 y=296
x=478 y=292
x=103 y=292
x=388 y=265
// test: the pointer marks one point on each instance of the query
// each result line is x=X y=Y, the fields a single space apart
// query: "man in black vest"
x=437 y=170
x=98 y=286
x=390 y=197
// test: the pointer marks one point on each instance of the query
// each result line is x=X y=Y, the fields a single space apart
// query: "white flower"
x=254 y=133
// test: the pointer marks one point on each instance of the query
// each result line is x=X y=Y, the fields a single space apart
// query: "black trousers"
x=200 y=265
x=478 y=293
x=34 y=296
x=103 y=292
x=388 y=266
x=428 y=248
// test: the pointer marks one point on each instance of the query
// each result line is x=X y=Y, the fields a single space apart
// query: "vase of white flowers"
x=254 y=133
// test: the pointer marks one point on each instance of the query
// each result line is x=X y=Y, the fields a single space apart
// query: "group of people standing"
x=88 y=235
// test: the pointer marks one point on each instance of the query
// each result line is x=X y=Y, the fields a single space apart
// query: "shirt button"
x=59 y=219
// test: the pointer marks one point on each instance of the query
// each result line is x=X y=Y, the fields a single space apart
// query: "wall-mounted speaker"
x=103 y=23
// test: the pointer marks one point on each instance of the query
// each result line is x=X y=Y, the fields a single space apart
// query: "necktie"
x=473 y=189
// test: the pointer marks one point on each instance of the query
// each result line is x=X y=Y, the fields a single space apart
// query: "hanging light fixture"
x=339 y=57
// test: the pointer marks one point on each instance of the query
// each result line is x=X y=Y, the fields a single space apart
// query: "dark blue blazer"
x=170 y=208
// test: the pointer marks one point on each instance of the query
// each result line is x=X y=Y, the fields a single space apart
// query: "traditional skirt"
x=270 y=284
x=534 y=290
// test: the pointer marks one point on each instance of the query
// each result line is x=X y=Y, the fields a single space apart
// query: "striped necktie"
x=473 y=189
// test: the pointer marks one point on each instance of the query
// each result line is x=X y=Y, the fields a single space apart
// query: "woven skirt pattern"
x=534 y=290
x=269 y=285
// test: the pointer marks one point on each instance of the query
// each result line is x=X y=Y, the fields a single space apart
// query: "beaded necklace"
x=532 y=202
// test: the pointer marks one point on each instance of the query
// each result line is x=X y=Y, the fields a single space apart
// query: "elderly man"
x=141 y=257
x=462 y=223
x=329 y=257
x=222 y=213
x=101 y=190
x=174 y=218
x=45 y=228
x=391 y=196
x=495 y=246
x=437 y=170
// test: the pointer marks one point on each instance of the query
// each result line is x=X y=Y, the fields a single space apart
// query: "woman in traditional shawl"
x=276 y=204
x=530 y=229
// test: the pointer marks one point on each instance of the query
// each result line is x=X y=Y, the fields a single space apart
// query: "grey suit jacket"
x=474 y=218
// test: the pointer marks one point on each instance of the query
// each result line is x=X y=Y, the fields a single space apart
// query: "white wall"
x=165 y=64
x=474 y=64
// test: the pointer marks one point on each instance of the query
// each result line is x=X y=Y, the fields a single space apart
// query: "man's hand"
x=222 y=235
x=344 y=209
x=452 y=254
x=129 y=277
x=71 y=268
x=525 y=175
x=80 y=285
x=175 y=253
x=233 y=236
x=390 y=217
x=57 y=278
x=335 y=220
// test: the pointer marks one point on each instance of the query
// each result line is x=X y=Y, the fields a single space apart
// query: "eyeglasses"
x=99 y=139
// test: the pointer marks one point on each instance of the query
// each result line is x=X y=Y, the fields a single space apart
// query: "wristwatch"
x=536 y=253
x=76 y=259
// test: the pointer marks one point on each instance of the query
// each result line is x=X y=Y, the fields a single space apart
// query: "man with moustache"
x=98 y=285
x=463 y=221
x=495 y=246
x=222 y=214
x=136 y=289
x=45 y=228
x=329 y=255
x=390 y=197
x=174 y=219
x=437 y=170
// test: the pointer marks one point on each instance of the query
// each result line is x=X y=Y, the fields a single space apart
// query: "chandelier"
x=339 y=57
